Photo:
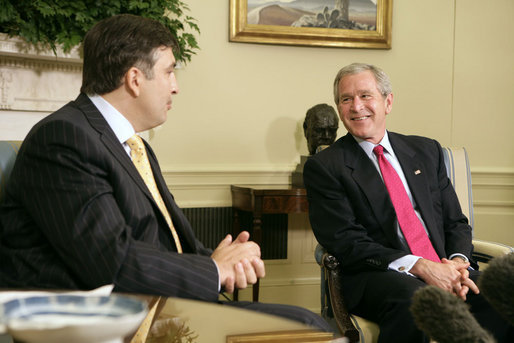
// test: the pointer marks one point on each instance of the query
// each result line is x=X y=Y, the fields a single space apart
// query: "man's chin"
x=163 y=119
x=157 y=123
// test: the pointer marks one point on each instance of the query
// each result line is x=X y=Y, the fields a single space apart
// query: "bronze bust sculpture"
x=320 y=129
x=320 y=126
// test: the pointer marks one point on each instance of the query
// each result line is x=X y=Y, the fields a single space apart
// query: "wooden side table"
x=265 y=199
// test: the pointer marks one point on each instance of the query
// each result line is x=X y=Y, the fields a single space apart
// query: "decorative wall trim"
x=275 y=282
x=25 y=76
x=493 y=176
x=493 y=189
x=49 y=65
x=205 y=186
x=16 y=47
x=6 y=97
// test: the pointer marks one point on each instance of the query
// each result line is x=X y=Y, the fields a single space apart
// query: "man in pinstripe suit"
x=78 y=215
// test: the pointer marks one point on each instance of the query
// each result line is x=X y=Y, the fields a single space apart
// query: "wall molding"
x=493 y=190
x=209 y=186
x=19 y=49
x=286 y=282
x=25 y=75
x=493 y=176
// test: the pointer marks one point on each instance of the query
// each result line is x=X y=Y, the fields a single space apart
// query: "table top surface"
x=212 y=322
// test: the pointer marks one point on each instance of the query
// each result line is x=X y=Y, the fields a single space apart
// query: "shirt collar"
x=118 y=123
x=368 y=146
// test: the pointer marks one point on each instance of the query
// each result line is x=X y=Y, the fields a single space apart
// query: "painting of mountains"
x=342 y=14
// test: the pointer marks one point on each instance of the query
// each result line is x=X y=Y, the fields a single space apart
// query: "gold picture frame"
x=241 y=30
x=296 y=336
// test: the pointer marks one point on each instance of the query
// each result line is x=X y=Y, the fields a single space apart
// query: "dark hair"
x=115 y=44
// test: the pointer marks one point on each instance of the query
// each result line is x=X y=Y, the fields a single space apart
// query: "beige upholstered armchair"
x=358 y=329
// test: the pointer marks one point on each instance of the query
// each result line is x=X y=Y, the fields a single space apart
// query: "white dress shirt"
x=120 y=125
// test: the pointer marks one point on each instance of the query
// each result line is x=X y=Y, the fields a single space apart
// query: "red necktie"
x=411 y=226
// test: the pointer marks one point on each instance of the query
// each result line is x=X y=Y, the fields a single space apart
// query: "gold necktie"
x=140 y=160
x=155 y=305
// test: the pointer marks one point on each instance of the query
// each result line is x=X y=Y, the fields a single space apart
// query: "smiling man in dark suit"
x=356 y=215
x=87 y=204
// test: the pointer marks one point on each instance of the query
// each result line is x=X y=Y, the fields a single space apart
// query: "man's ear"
x=132 y=81
x=388 y=103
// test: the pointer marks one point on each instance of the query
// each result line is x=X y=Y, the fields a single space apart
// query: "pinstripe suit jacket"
x=77 y=215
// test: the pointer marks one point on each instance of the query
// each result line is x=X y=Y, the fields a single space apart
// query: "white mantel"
x=33 y=83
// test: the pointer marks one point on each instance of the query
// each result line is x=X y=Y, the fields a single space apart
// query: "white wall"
x=240 y=108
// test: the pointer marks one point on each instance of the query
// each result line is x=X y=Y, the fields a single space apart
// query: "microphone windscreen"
x=497 y=285
x=446 y=318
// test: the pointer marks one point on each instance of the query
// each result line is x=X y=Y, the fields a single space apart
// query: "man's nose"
x=174 y=84
x=356 y=104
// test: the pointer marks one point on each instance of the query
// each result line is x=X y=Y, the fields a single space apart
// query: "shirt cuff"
x=404 y=264
x=459 y=255
x=218 y=270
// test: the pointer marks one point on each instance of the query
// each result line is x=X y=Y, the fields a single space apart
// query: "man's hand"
x=239 y=262
x=466 y=283
x=452 y=276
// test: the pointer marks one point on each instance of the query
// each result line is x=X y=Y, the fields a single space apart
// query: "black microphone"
x=446 y=318
x=497 y=285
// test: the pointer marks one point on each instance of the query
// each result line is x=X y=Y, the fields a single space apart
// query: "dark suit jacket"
x=352 y=215
x=78 y=215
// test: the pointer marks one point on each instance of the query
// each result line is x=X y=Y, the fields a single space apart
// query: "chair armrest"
x=341 y=314
x=485 y=250
x=332 y=302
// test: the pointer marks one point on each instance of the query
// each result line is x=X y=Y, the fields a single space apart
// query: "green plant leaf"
x=65 y=22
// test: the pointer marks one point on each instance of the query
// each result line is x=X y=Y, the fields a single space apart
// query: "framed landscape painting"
x=332 y=23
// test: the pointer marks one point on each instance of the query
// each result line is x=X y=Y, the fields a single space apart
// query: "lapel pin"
x=417 y=172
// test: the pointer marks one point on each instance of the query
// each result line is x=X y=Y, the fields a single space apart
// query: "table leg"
x=236 y=229
x=257 y=238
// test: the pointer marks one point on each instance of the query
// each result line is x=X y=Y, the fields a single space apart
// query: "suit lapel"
x=180 y=222
x=110 y=141
x=414 y=171
x=367 y=177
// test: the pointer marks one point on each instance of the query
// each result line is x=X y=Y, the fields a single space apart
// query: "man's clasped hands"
x=450 y=275
x=239 y=262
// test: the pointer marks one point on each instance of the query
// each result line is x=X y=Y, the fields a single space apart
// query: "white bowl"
x=72 y=318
